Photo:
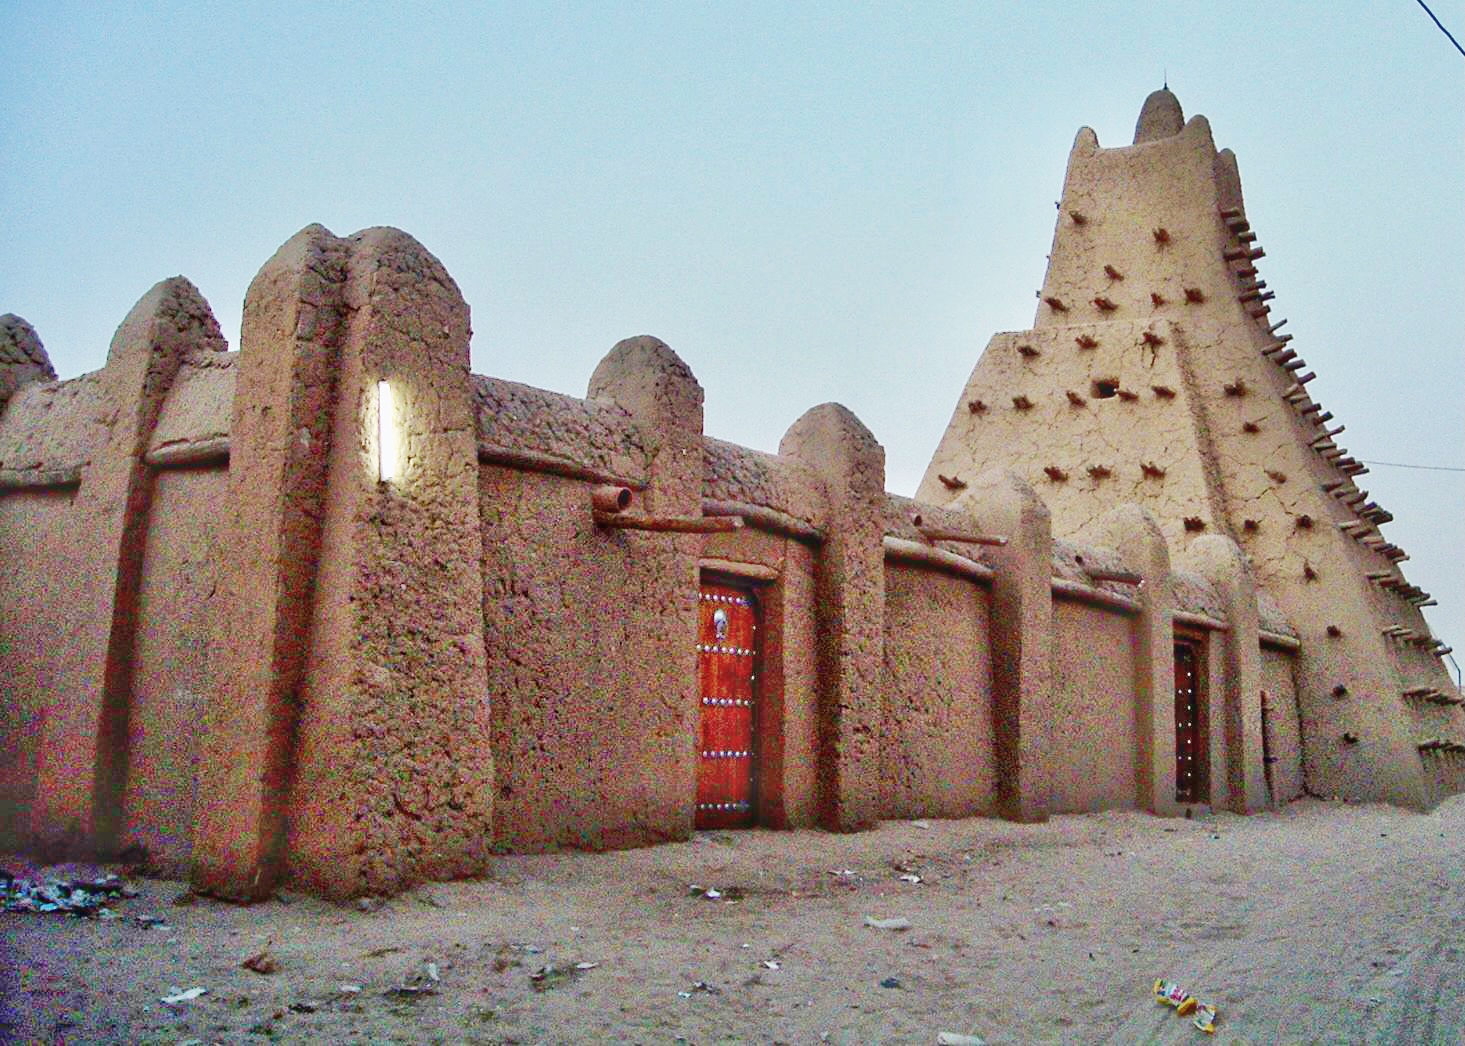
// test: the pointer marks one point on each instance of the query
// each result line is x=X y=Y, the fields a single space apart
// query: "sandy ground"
x=1318 y=923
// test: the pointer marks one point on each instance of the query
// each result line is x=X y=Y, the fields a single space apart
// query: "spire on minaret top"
x=1160 y=117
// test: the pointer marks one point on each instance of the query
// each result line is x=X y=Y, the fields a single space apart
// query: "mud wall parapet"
x=332 y=609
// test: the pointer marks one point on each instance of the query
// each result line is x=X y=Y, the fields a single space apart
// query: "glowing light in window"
x=388 y=432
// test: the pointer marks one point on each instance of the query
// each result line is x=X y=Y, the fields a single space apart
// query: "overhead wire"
x=1401 y=465
x=1441 y=25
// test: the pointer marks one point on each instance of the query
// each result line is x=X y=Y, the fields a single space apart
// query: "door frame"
x=755 y=588
x=1199 y=643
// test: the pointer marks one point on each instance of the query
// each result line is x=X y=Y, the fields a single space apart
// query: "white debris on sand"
x=1321 y=915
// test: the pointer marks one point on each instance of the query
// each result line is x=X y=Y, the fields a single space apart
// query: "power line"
x=1441 y=25
x=1401 y=465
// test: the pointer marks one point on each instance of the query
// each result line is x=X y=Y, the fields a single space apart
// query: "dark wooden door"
x=1267 y=745
x=727 y=642
x=1189 y=761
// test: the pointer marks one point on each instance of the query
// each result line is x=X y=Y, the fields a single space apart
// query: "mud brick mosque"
x=334 y=610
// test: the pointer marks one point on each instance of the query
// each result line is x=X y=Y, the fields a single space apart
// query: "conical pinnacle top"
x=1160 y=117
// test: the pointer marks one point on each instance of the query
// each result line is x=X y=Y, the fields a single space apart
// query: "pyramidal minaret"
x=1156 y=373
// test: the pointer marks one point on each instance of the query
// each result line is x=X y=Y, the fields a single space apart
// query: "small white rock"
x=898 y=923
x=184 y=996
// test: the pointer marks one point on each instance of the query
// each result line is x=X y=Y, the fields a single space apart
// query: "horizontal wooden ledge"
x=1279 y=641
x=734 y=568
x=761 y=517
x=668 y=524
x=195 y=452
x=1194 y=620
x=1098 y=597
x=36 y=479
x=538 y=461
x=962 y=537
x=1119 y=577
x=903 y=551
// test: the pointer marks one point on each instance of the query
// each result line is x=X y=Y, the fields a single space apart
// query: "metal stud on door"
x=726 y=665
x=1189 y=763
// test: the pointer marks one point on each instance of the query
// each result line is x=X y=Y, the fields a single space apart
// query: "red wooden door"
x=1188 y=752
x=727 y=639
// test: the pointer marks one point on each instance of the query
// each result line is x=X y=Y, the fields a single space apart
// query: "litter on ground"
x=1170 y=993
x=85 y=897
x=898 y=923
x=178 y=998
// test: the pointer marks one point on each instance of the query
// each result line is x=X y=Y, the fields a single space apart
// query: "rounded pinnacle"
x=1159 y=117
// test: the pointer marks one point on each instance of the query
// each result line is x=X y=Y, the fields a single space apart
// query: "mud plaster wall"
x=1112 y=436
x=593 y=705
x=1269 y=476
x=1272 y=478
x=1218 y=473
x=593 y=743
x=53 y=425
x=936 y=719
x=851 y=599
x=1092 y=755
x=788 y=696
x=1282 y=722
x=1120 y=195
x=1213 y=713
x=173 y=656
x=393 y=776
x=739 y=474
x=200 y=404
x=1447 y=773
x=560 y=428
x=1113 y=199
x=1316 y=574
x=35 y=591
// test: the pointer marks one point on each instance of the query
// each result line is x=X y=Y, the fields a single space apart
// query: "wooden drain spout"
x=671 y=524
x=610 y=499
x=935 y=533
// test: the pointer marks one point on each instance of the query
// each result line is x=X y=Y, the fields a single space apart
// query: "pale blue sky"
x=809 y=202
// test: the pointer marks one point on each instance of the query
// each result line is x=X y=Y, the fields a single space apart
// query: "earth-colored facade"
x=335 y=610
x=1156 y=374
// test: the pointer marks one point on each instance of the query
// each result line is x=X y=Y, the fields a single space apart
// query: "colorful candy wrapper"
x=1169 y=992
x=1205 y=1018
